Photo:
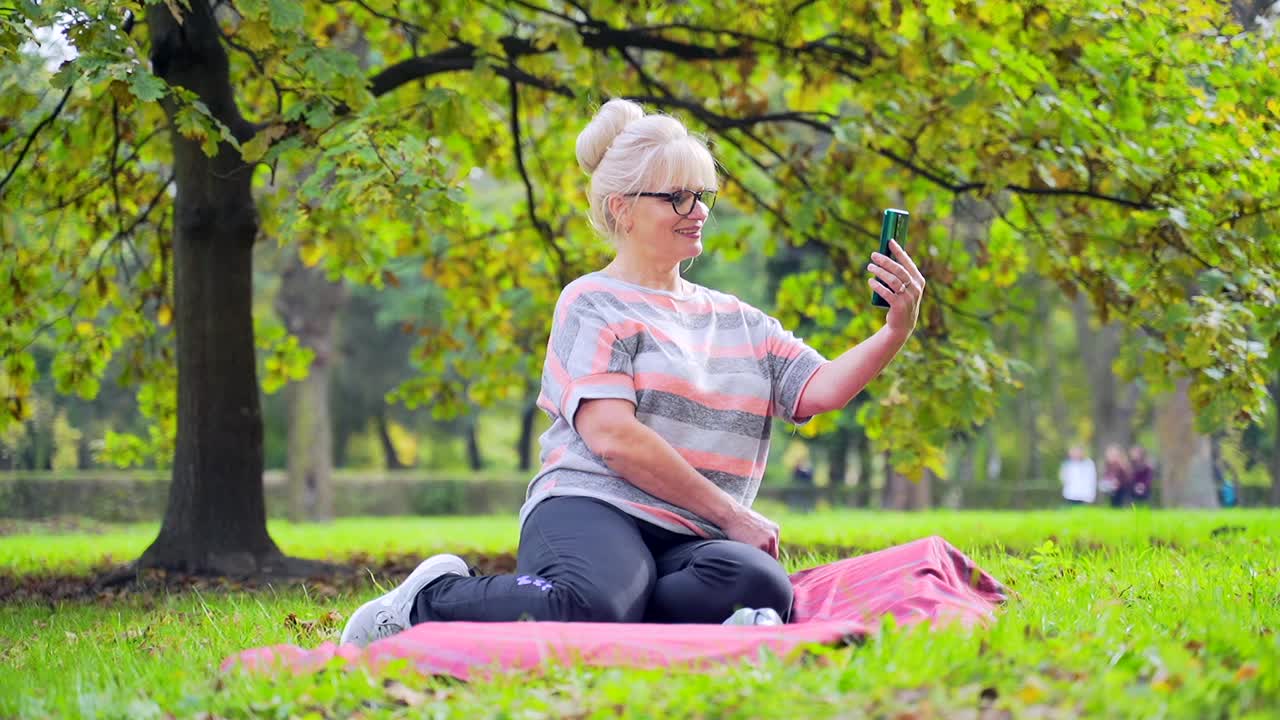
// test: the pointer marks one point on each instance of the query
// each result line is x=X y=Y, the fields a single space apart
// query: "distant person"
x=802 y=496
x=1117 y=476
x=661 y=394
x=1227 y=494
x=1142 y=475
x=1079 y=477
x=802 y=474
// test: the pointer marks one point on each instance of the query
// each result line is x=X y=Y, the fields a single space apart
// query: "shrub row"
x=135 y=500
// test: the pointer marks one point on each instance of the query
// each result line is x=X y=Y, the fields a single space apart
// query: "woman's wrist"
x=897 y=335
x=724 y=511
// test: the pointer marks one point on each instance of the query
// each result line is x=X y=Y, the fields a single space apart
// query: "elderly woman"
x=661 y=394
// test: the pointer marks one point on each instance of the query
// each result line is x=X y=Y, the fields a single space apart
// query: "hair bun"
x=595 y=139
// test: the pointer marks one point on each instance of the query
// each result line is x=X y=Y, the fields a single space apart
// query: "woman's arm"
x=642 y=457
x=836 y=383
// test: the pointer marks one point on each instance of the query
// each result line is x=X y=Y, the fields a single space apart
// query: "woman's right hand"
x=750 y=527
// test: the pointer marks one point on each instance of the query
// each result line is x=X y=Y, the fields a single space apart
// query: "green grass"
x=1127 y=614
x=75 y=552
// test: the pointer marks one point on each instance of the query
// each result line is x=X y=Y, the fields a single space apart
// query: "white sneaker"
x=751 y=616
x=387 y=615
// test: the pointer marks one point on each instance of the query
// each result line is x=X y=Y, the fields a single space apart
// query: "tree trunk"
x=962 y=480
x=474 y=457
x=1113 y=401
x=310 y=447
x=838 y=458
x=84 y=449
x=1030 y=406
x=391 y=459
x=894 y=493
x=215 y=521
x=524 y=445
x=906 y=494
x=866 y=468
x=1185 y=465
x=308 y=304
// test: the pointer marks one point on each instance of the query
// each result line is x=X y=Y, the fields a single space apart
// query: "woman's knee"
x=767 y=585
x=750 y=577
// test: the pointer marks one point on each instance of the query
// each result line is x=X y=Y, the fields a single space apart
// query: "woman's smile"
x=693 y=232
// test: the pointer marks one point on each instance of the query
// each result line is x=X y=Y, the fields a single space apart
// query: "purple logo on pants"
x=543 y=585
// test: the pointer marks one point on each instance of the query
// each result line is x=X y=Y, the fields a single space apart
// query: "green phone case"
x=894 y=227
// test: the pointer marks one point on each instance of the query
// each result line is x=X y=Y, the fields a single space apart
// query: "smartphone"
x=894 y=227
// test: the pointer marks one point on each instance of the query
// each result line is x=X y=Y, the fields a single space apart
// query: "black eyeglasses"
x=682 y=201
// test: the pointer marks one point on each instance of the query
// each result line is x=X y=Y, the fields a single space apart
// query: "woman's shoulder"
x=585 y=288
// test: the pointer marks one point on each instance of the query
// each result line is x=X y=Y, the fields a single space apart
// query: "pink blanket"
x=923 y=580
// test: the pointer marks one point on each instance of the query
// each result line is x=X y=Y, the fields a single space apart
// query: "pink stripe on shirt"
x=714 y=400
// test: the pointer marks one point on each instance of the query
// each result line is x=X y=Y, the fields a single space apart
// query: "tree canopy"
x=1127 y=151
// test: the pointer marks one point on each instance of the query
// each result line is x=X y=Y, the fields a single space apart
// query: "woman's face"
x=652 y=227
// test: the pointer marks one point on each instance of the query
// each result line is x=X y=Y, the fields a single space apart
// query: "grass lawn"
x=1116 y=614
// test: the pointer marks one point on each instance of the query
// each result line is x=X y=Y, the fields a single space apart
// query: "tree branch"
x=31 y=138
x=543 y=229
x=1242 y=214
x=393 y=19
x=459 y=57
x=137 y=150
x=120 y=234
x=599 y=36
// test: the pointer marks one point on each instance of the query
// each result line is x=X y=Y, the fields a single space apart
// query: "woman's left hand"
x=899 y=282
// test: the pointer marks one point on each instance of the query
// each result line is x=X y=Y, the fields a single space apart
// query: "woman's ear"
x=620 y=211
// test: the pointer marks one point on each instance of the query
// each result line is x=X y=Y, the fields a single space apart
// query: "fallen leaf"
x=1248 y=671
x=1030 y=693
x=406 y=695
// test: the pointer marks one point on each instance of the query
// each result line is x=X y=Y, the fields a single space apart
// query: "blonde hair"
x=625 y=151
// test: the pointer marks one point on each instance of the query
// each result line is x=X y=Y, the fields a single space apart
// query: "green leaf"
x=286 y=14
x=147 y=87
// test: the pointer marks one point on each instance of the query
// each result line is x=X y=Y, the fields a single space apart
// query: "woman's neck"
x=665 y=279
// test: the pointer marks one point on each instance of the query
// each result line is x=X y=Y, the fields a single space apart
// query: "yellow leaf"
x=254 y=149
x=256 y=34
x=119 y=90
x=1274 y=106
x=164 y=315
x=311 y=254
x=84 y=328
x=1031 y=693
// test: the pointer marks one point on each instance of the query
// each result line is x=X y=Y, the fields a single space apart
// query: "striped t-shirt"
x=705 y=370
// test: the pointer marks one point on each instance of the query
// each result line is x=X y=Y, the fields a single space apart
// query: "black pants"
x=584 y=560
